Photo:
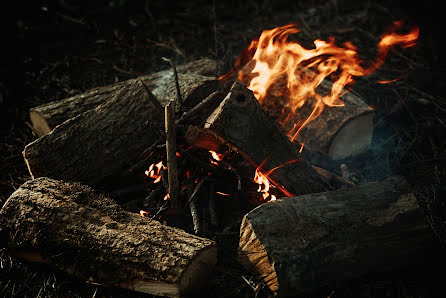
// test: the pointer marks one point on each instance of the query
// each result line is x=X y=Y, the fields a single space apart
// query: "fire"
x=216 y=156
x=264 y=184
x=274 y=65
x=154 y=171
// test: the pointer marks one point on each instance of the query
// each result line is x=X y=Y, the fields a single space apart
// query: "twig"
x=194 y=211
x=171 y=147
x=177 y=84
x=203 y=109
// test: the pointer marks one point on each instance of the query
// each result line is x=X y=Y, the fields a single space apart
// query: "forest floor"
x=55 y=49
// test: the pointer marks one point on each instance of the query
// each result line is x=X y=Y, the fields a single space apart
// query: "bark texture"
x=241 y=121
x=88 y=235
x=99 y=143
x=301 y=243
x=47 y=116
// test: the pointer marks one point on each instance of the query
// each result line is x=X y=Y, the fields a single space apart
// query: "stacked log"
x=87 y=235
x=306 y=242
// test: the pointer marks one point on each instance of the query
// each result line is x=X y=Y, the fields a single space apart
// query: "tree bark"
x=241 y=121
x=99 y=144
x=89 y=236
x=192 y=75
x=301 y=243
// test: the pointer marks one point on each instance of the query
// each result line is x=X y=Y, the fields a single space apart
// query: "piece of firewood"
x=87 y=235
x=47 y=116
x=244 y=124
x=99 y=143
x=339 y=131
x=205 y=139
x=306 y=242
x=171 y=150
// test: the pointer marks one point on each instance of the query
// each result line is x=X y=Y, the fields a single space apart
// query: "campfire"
x=133 y=181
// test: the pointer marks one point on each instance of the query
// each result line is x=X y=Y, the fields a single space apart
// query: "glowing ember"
x=216 y=156
x=166 y=197
x=222 y=193
x=154 y=171
x=283 y=68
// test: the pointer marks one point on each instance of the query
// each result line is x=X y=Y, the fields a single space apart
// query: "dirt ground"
x=55 y=49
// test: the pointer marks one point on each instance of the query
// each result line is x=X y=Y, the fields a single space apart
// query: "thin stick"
x=175 y=74
x=171 y=153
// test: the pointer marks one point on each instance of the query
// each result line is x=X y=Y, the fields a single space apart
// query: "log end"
x=353 y=138
x=40 y=125
x=253 y=256
x=199 y=270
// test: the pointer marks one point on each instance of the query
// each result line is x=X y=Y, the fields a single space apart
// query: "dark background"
x=54 y=49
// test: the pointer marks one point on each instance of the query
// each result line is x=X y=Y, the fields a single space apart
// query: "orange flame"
x=154 y=171
x=264 y=184
x=216 y=156
x=274 y=60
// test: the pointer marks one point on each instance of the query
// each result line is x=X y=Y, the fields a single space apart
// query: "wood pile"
x=200 y=142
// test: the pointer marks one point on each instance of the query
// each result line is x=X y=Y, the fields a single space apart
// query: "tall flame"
x=299 y=72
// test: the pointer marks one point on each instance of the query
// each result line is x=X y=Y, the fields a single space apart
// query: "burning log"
x=297 y=244
x=339 y=131
x=241 y=121
x=47 y=116
x=99 y=143
x=89 y=236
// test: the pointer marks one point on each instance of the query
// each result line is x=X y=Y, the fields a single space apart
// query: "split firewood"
x=306 y=242
x=47 y=116
x=87 y=235
x=100 y=143
x=339 y=131
x=244 y=124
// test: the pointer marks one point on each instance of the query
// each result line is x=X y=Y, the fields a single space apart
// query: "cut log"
x=193 y=74
x=340 y=132
x=99 y=143
x=89 y=236
x=241 y=121
x=301 y=243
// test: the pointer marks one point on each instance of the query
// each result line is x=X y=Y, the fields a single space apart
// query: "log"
x=306 y=242
x=47 y=116
x=340 y=132
x=241 y=121
x=99 y=144
x=87 y=235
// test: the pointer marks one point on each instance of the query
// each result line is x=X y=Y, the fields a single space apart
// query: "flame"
x=144 y=213
x=154 y=171
x=274 y=65
x=216 y=156
x=264 y=184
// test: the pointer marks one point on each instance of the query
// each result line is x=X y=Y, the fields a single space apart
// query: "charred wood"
x=244 y=124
